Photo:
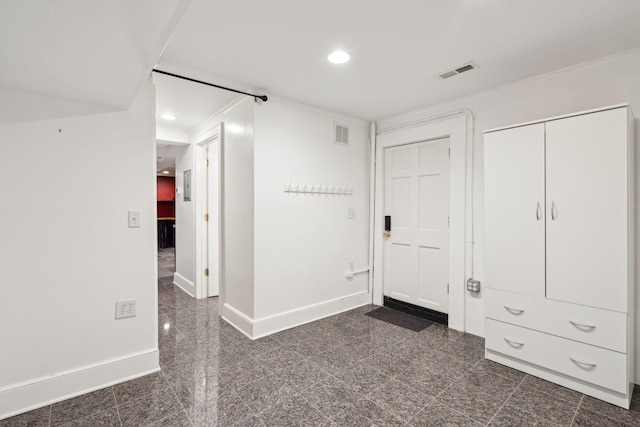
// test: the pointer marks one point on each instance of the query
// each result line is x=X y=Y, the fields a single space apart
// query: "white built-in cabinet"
x=559 y=248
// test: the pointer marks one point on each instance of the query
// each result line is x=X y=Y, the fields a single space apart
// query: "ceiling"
x=98 y=54
x=189 y=102
x=397 y=48
x=92 y=52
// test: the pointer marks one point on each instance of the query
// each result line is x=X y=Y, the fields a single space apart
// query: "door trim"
x=455 y=128
x=214 y=135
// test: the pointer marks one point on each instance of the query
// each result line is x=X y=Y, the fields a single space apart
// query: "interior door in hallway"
x=416 y=198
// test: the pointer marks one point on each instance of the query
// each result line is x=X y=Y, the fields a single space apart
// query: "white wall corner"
x=185 y=284
x=238 y=320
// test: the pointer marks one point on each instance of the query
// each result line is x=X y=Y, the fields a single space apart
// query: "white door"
x=514 y=210
x=416 y=197
x=213 y=223
x=587 y=209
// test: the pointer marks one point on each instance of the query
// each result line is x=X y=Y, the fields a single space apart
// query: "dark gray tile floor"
x=346 y=370
x=166 y=262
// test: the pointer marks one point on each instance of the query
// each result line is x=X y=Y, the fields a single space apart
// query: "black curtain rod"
x=262 y=97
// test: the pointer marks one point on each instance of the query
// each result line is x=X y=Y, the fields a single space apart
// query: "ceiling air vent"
x=341 y=134
x=467 y=67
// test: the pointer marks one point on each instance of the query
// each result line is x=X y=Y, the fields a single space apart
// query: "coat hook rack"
x=299 y=188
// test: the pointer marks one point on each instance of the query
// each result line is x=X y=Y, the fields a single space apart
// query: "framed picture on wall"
x=187 y=185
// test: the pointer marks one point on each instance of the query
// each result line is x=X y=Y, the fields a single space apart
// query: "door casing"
x=455 y=127
x=213 y=139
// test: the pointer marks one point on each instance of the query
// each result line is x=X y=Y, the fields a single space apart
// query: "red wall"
x=166 y=196
x=166 y=188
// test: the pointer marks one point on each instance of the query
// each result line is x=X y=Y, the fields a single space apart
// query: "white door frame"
x=213 y=137
x=454 y=127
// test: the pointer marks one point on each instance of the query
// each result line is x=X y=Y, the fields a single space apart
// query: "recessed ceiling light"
x=168 y=116
x=339 y=57
x=165 y=171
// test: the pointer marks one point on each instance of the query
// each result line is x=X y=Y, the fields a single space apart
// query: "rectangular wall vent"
x=340 y=134
x=464 y=68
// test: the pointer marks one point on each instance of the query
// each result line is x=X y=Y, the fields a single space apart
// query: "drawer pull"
x=513 y=343
x=514 y=310
x=581 y=325
x=583 y=363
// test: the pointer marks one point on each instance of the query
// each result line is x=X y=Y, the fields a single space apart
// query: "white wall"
x=606 y=82
x=22 y=107
x=304 y=243
x=172 y=134
x=237 y=210
x=66 y=254
x=185 y=275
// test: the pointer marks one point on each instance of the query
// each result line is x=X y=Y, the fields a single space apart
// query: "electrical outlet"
x=473 y=285
x=126 y=308
x=351 y=213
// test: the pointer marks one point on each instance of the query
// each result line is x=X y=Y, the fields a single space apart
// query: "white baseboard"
x=238 y=320
x=258 y=328
x=185 y=284
x=19 y=398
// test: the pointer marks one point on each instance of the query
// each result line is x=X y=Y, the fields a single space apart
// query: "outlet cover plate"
x=126 y=308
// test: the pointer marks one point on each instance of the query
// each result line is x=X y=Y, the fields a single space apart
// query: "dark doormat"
x=399 y=318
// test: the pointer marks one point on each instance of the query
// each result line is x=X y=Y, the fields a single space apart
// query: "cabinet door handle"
x=582 y=362
x=581 y=325
x=513 y=343
x=538 y=212
x=554 y=211
x=513 y=310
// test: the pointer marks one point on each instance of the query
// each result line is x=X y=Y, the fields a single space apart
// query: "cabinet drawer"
x=595 y=365
x=589 y=325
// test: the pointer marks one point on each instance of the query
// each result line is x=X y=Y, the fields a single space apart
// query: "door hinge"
x=206 y=162
x=206 y=217
x=447 y=288
x=206 y=271
x=449 y=152
x=448 y=221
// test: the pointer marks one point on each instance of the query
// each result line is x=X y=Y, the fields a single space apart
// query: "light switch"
x=134 y=219
x=351 y=213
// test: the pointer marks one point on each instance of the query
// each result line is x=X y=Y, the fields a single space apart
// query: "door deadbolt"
x=387 y=226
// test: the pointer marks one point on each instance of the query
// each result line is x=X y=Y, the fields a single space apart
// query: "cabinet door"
x=587 y=209
x=514 y=209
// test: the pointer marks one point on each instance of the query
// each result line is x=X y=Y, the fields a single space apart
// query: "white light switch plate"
x=351 y=213
x=134 y=219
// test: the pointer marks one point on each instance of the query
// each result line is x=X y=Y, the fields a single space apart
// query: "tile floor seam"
x=50 y=410
x=113 y=392
x=576 y=411
x=602 y=414
x=177 y=398
x=564 y=399
x=408 y=421
x=505 y=377
x=507 y=399
x=252 y=411
x=443 y=404
x=436 y=397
